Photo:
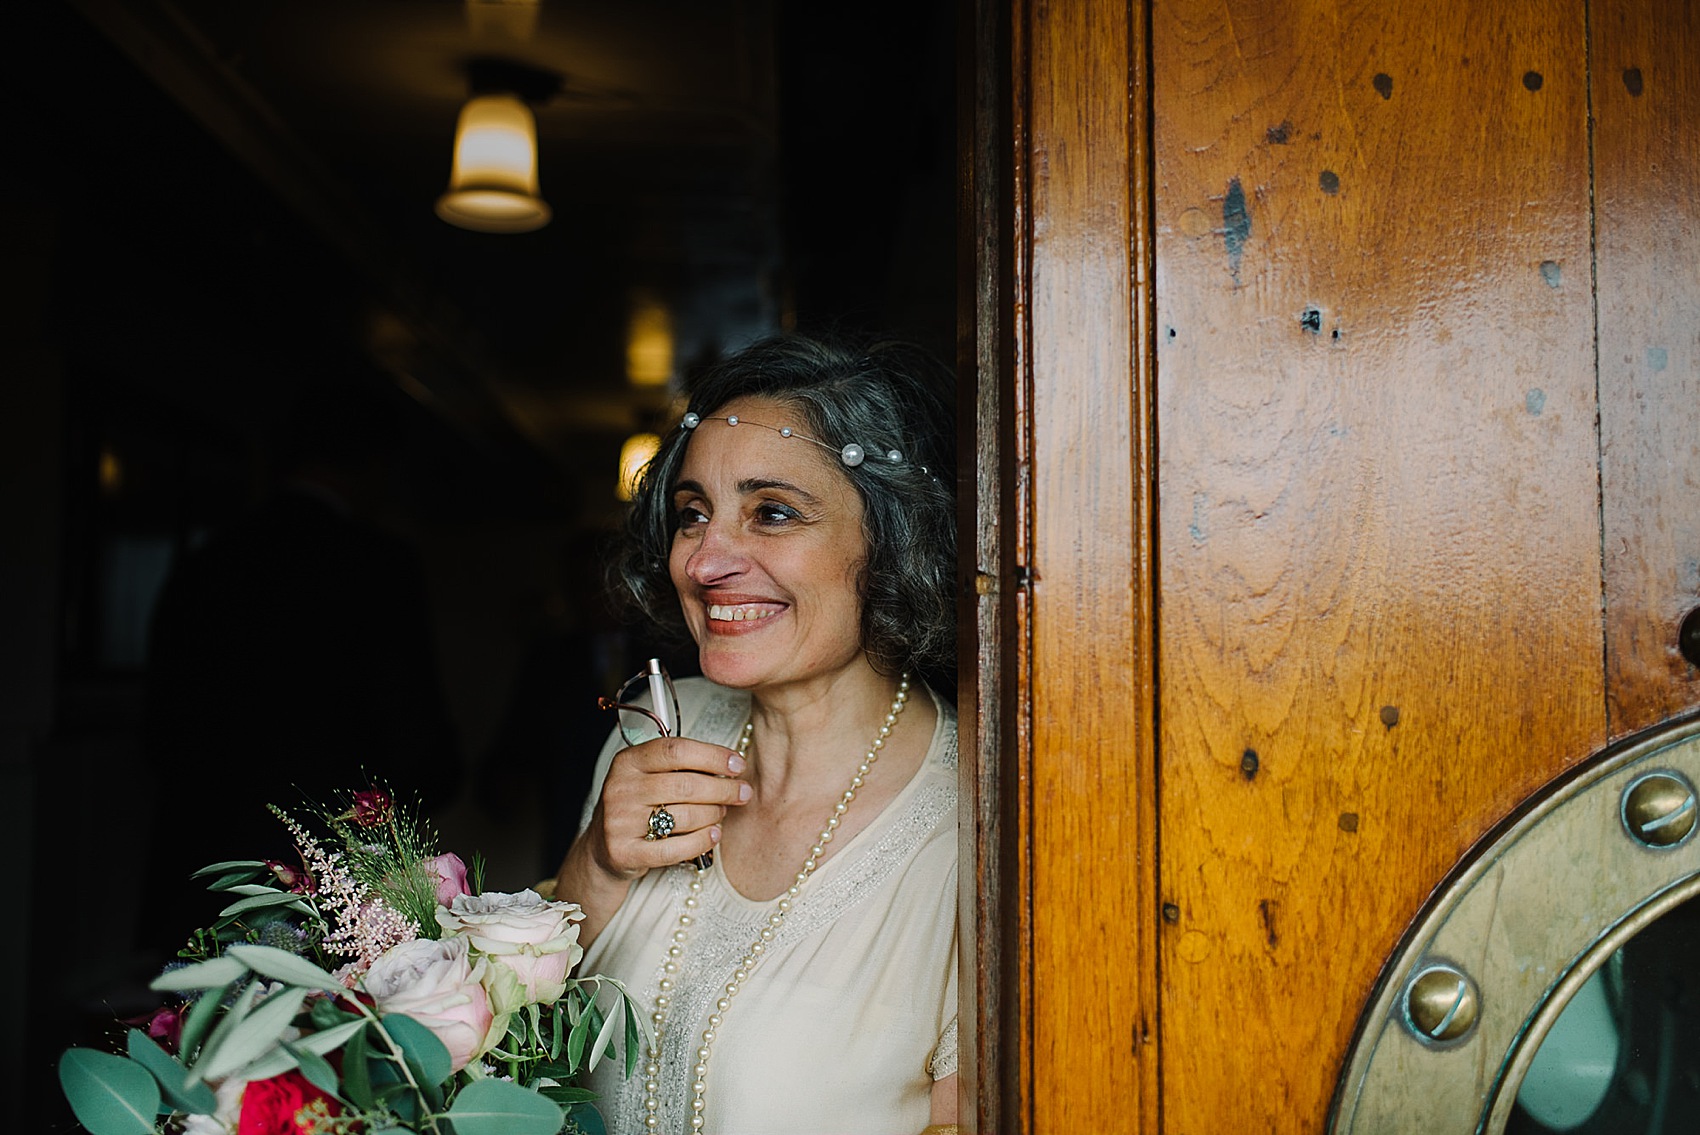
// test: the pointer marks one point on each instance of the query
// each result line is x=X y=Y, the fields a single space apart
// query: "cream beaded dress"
x=849 y=1017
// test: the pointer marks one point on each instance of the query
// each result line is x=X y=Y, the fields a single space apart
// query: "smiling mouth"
x=740 y=612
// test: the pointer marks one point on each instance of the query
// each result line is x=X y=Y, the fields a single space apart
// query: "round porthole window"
x=1553 y=986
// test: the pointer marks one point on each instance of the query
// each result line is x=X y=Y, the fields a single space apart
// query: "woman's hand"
x=694 y=781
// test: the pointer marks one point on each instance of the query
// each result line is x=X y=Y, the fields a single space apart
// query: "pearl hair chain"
x=681 y=935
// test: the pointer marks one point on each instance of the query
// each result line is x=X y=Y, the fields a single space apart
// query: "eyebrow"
x=752 y=485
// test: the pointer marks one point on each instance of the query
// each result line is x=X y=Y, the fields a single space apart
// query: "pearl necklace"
x=676 y=949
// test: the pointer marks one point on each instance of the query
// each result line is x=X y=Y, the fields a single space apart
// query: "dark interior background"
x=210 y=208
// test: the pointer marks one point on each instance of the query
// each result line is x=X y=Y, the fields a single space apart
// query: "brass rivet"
x=1441 y=1004
x=1659 y=809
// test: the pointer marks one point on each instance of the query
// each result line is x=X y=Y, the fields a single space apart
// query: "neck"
x=803 y=735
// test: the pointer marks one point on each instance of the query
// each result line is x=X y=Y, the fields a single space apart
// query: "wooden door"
x=1342 y=366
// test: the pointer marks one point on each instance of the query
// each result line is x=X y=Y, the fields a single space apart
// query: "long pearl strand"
x=676 y=949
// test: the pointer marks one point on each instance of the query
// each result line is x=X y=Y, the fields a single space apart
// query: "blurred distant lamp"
x=649 y=345
x=493 y=185
x=638 y=451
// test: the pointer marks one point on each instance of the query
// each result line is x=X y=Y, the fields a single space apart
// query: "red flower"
x=284 y=1105
x=373 y=808
x=294 y=879
x=164 y=1025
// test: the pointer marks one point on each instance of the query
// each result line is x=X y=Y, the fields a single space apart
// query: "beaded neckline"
x=782 y=907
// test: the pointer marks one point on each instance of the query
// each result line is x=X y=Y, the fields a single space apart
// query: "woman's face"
x=767 y=551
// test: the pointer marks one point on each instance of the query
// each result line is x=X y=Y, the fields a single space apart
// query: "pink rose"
x=450 y=874
x=533 y=938
x=439 y=985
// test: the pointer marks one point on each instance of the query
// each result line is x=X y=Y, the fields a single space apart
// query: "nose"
x=718 y=555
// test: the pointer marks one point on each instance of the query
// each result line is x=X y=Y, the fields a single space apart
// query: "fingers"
x=670 y=754
x=677 y=848
x=696 y=782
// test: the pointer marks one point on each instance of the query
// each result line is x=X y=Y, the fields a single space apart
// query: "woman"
x=799 y=524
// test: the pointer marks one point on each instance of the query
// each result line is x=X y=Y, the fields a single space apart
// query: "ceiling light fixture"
x=635 y=456
x=493 y=186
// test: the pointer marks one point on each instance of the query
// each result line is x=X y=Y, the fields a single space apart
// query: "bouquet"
x=371 y=988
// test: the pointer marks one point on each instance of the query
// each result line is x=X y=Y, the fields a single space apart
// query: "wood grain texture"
x=1380 y=624
x=1092 y=833
x=1646 y=103
x=993 y=914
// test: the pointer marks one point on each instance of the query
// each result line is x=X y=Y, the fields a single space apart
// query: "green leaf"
x=209 y=974
x=228 y=865
x=258 y=902
x=281 y=965
x=633 y=1037
x=109 y=1094
x=556 y=1020
x=576 y=1039
x=232 y=1017
x=200 y=1019
x=326 y=1013
x=420 y=1045
x=496 y=1107
x=566 y=1094
x=584 y=1119
x=274 y=1063
x=316 y=1068
x=329 y=1040
x=234 y=879
x=255 y=1035
x=356 y=1071
x=169 y=1072
x=605 y=1035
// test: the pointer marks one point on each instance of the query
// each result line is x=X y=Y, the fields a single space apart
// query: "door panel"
x=1378 y=500
x=1647 y=183
x=1355 y=499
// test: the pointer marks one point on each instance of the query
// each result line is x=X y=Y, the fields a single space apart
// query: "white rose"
x=532 y=937
x=438 y=984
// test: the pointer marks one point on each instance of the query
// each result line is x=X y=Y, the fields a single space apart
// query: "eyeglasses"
x=639 y=724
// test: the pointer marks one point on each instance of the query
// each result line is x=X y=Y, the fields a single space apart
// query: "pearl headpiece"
x=852 y=454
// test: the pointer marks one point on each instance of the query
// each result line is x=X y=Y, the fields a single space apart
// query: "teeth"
x=730 y=614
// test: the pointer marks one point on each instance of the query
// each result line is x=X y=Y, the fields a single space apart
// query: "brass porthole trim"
x=1525 y=944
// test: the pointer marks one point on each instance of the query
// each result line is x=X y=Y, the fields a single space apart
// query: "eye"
x=769 y=514
x=689 y=516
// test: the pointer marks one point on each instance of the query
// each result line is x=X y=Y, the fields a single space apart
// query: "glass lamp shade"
x=635 y=456
x=493 y=185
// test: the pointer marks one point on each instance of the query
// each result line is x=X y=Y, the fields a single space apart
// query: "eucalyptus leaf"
x=169 y=1072
x=281 y=965
x=209 y=974
x=584 y=1119
x=109 y=1094
x=496 y=1107
x=228 y=865
x=258 y=1033
x=421 y=1047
